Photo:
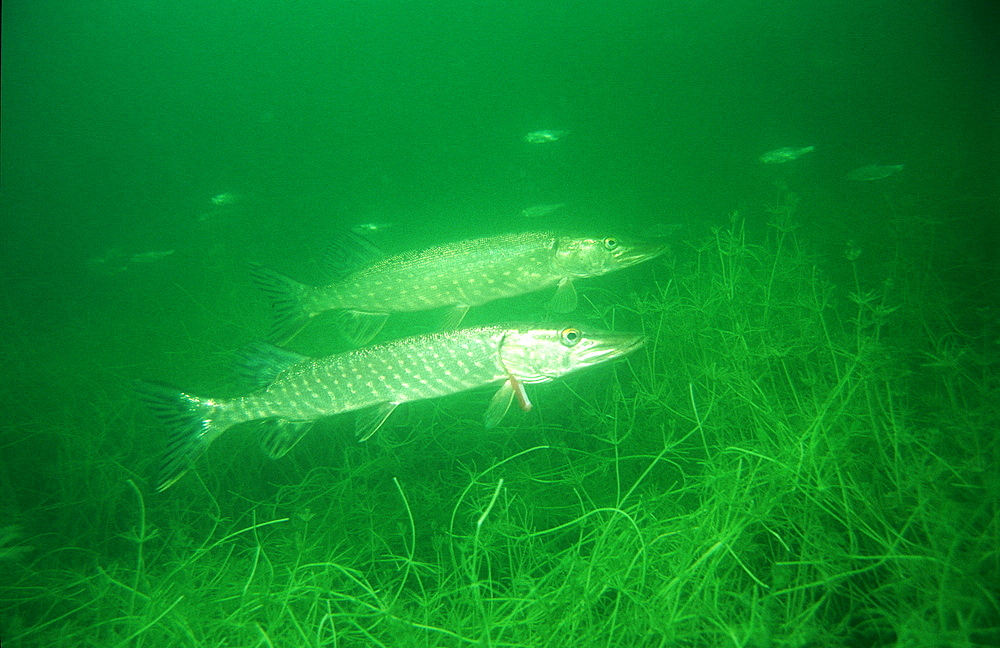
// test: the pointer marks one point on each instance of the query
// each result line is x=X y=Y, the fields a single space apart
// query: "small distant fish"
x=545 y=136
x=785 y=154
x=370 y=228
x=874 y=172
x=150 y=257
x=226 y=198
x=539 y=211
x=114 y=261
x=664 y=230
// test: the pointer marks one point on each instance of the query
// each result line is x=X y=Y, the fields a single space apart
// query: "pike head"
x=535 y=355
x=590 y=257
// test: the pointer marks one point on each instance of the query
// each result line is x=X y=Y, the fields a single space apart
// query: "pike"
x=294 y=390
x=458 y=275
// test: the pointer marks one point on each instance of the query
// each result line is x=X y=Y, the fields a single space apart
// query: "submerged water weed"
x=794 y=461
x=13 y=546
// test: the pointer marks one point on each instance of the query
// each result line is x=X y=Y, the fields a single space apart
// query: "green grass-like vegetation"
x=805 y=454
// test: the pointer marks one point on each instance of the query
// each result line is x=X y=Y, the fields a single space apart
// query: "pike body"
x=460 y=275
x=298 y=390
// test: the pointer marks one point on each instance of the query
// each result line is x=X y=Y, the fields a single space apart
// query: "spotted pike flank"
x=295 y=390
x=458 y=275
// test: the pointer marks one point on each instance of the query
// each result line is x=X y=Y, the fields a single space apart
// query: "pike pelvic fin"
x=190 y=428
x=565 y=298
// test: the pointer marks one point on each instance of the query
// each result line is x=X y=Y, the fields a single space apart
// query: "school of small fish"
x=865 y=173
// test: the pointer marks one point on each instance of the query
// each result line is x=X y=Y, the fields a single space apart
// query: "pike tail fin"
x=191 y=428
x=288 y=297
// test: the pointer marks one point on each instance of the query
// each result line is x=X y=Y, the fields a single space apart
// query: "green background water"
x=121 y=121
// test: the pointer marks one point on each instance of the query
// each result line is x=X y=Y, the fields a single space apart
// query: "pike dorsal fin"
x=348 y=252
x=261 y=363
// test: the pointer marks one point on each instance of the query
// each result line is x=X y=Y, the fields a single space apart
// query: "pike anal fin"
x=368 y=421
x=360 y=327
x=278 y=436
x=454 y=317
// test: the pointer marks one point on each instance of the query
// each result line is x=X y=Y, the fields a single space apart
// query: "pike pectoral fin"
x=360 y=327
x=501 y=401
x=454 y=317
x=278 y=436
x=368 y=421
x=565 y=299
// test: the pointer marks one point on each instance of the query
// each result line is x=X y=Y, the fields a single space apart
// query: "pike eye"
x=610 y=243
x=570 y=336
